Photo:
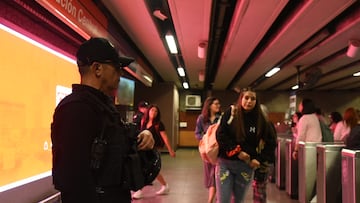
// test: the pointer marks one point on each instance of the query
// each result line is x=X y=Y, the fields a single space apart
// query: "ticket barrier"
x=307 y=171
x=350 y=179
x=328 y=174
x=291 y=170
x=280 y=163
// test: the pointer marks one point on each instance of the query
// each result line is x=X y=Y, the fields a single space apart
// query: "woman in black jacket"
x=246 y=143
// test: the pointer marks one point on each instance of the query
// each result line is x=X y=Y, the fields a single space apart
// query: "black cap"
x=100 y=50
x=143 y=104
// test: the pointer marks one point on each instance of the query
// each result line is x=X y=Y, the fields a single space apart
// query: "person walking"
x=86 y=123
x=210 y=114
x=151 y=121
x=246 y=143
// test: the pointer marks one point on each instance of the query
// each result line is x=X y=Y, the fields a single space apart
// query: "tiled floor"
x=185 y=178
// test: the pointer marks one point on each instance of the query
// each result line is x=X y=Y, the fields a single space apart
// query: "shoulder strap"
x=233 y=111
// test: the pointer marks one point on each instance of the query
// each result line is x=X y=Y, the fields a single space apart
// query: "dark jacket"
x=353 y=140
x=78 y=120
x=229 y=146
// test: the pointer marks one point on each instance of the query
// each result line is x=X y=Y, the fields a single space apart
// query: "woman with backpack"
x=209 y=115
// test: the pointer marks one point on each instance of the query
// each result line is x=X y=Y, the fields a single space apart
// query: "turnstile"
x=291 y=170
x=328 y=173
x=280 y=163
x=307 y=171
x=350 y=180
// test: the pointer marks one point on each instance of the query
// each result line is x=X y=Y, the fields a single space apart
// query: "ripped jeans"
x=233 y=178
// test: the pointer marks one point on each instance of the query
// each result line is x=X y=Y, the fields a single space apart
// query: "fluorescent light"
x=171 y=44
x=186 y=85
x=295 y=87
x=181 y=71
x=272 y=72
x=356 y=74
x=35 y=43
x=147 y=78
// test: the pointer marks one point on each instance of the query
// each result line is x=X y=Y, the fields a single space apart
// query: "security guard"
x=89 y=140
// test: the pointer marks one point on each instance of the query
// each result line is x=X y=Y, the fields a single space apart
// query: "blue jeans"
x=233 y=177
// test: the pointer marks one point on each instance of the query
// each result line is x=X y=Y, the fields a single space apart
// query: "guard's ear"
x=96 y=68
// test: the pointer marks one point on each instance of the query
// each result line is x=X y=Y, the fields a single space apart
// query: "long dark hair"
x=145 y=119
x=308 y=106
x=205 y=112
x=238 y=122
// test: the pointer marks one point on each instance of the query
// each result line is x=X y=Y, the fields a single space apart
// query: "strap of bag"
x=233 y=111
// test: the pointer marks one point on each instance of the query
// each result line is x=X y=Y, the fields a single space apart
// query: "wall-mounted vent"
x=193 y=102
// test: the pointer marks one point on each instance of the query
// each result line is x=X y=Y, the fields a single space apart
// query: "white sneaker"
x=137 y=195
x=164 y=190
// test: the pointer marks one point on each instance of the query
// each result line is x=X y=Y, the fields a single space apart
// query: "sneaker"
x=137 y=195
x=164 y=190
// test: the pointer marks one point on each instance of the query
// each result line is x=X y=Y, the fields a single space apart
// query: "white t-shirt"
x=308 y=129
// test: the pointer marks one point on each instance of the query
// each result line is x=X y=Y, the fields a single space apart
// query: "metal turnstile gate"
x=328 y=174
x=307 y=171
x=291 y=170
x=350 y=180
x=280 y=163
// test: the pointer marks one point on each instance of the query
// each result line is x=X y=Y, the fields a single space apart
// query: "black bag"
x=141 y=167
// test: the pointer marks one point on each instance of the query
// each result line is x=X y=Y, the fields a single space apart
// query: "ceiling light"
x=171 y=44
x=181 y=71
x=158 y=14
x=353 y=49
x=295 y=87
x=272 y=72
x=202 y=48
x=148 y=78
x=356 y=74
x=186 y=85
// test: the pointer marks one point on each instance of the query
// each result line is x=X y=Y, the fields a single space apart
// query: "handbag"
x=141 y=167
x=208 y=146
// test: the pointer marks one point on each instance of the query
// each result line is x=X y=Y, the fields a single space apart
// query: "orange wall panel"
x=29 y=76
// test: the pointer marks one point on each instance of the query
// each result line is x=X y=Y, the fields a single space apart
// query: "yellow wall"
x=28 y=79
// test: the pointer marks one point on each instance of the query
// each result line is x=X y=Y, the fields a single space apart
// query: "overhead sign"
x=81 y=16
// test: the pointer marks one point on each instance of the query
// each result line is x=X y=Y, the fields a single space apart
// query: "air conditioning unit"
x=193 y=102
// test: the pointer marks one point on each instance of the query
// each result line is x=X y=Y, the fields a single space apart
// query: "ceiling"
x=245 y=39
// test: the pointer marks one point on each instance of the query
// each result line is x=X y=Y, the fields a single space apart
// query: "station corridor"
x=184 y=175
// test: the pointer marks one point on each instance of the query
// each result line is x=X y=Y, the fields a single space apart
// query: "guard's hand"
x=145 y=140
x=254 y=164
